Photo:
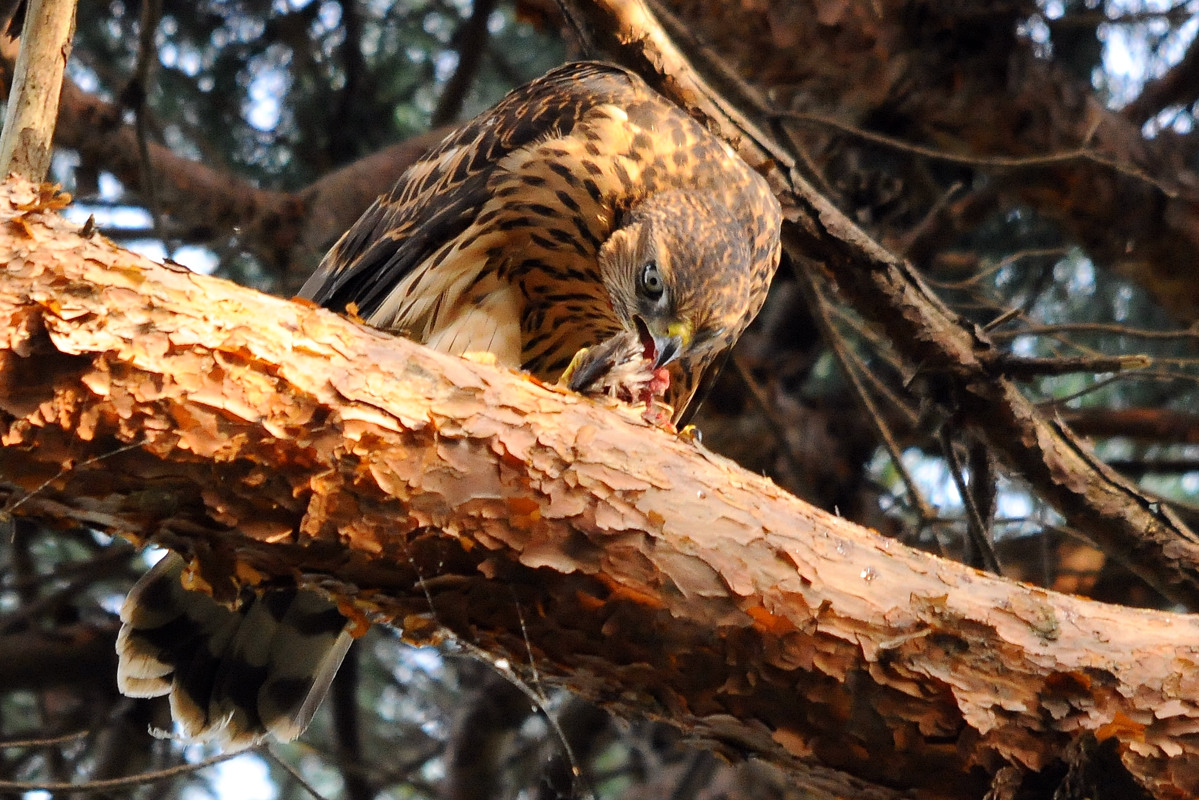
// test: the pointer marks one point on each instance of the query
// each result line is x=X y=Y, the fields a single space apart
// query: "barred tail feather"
x=233 y=676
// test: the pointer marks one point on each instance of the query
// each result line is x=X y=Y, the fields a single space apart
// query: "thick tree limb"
x=957 y=362
x=274 y=439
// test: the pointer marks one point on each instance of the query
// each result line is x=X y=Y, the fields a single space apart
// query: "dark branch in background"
x=980 y=551
x=486 y=716
x=1140 y=466
x=1106 y=329
x=956 y=364
x=70 y=654
x=1022 y=368
x=852 y=369
x=347 y=738
x=470 y=43
x=1160 y=425
x=584 y=726
x=134 y=97
x=344 y=122
x=1179 y=86
x=12 y=14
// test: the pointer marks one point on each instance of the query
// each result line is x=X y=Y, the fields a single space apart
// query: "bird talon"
x=659 y=415
x=576 y=363
x=480 y=357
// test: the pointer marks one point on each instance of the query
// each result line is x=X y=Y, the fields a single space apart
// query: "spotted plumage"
x=526 y=233
x=583 y=211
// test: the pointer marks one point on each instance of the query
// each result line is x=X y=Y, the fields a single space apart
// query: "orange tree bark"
x=269 y=439
x=956 y=365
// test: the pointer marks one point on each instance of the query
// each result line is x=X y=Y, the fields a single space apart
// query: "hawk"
x=583 y=211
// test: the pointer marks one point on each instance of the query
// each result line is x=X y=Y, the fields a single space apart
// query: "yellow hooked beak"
x=672 y=343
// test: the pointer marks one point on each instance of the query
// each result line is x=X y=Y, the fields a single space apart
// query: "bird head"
x=677 y=270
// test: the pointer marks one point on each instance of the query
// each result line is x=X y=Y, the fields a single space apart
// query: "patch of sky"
x=444 y=64
x=327 y=31
x=289 y=6
x=246 y=777
x=1135 y=53
x=182 y=56
x=1122 y=303
x=328 y=16
x=268 y=85
x=83 y=76
x=495 y=22
x=109 y=213
x=1025 y=345
x=1017 y=513
x=1116 y=448
x=1036 y=31
x=932 y=478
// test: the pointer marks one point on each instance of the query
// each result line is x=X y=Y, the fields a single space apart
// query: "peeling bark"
x=956 y=362
x=274 y=441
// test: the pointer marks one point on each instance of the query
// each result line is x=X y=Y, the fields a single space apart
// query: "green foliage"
x=281 y=93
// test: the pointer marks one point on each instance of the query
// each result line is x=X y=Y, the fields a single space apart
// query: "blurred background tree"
x=1035 y=161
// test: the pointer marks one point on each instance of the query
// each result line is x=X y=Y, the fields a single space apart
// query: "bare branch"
x=37 y=82
x=470 y=42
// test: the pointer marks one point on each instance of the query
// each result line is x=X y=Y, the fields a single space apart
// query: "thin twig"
x=1112 y=328
x=904 y=246
x=975 y=528
x=758 y=394
x=141 y=779
x=45 y=742
x=9 y=509
x=1083 y=154
x=1011 y=258
x=504 y=668
x=294 y=773
x=819 y=308
x=139 y=90
x=1025 y=368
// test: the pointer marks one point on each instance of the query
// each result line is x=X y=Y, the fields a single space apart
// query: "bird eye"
x=651 y=282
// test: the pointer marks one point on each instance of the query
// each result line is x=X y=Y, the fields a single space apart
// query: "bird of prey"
x=582 y=211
